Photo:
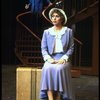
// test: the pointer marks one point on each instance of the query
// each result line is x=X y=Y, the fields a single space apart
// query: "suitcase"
x=27 y=83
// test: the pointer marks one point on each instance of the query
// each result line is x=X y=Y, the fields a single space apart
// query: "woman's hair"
x=60 y=14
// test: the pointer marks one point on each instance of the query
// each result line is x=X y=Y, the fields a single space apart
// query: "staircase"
x=27 y=45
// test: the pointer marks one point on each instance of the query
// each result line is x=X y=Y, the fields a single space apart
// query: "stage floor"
x=85 y=87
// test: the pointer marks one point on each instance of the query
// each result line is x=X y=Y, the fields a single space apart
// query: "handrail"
x=43 y=13
x=78 y=41
x=17 y=18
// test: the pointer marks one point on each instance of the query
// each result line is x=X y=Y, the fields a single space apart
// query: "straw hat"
x=61 y=11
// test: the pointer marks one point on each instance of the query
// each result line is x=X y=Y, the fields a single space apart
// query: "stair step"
x=37 y=65
x=75 y=73
x=31 y=53
x=35 y=57
x=28 y=46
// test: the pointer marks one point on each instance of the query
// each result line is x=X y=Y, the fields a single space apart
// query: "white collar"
x=61 y=32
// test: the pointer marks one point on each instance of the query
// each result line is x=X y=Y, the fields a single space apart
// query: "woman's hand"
x=61 y=61
x=52 y=61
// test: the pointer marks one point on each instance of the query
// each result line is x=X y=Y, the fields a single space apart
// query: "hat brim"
x=61 y=11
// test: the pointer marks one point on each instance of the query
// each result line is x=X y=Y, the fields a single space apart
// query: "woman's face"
x=56 y=19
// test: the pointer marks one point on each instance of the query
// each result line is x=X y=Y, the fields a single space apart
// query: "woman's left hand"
x=61 y=61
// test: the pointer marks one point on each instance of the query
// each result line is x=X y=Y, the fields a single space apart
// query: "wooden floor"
x=85 y=87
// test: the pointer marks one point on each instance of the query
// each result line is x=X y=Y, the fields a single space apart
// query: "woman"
x=57 y=46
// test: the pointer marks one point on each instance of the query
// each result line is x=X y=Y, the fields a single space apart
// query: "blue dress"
x=56 y=77
x=37 y=5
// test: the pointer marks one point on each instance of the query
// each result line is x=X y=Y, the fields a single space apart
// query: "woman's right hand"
x=52 y=61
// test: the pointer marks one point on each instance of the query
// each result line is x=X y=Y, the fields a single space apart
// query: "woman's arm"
x=44 y=49
x=70 y=49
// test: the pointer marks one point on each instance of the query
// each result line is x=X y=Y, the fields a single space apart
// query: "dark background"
x=8 y=31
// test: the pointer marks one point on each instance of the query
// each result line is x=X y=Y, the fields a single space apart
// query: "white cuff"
x=46 y=57
x=65 y=57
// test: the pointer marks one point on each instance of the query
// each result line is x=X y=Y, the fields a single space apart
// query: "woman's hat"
x=61 y=11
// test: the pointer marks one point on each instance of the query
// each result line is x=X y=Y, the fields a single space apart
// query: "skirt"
x=56 y=77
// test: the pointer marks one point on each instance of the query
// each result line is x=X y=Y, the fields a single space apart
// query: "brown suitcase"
x=27 y=83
